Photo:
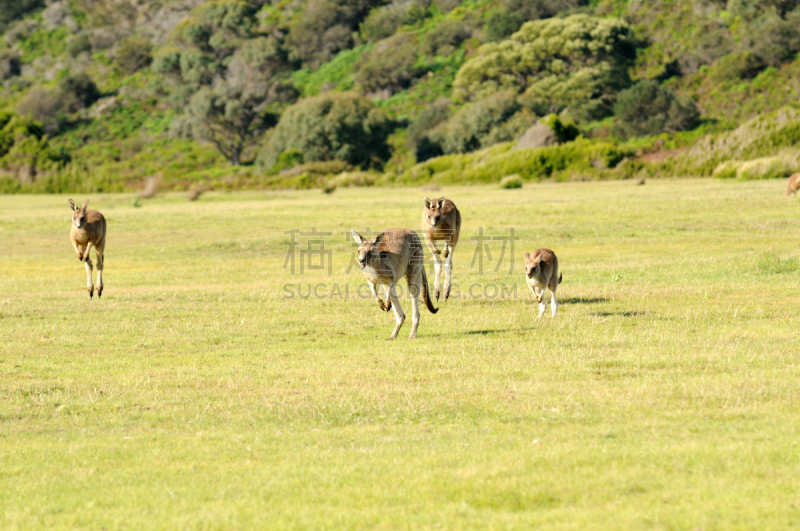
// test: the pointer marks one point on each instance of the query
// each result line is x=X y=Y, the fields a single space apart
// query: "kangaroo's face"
x=368 y=253
x=433 y=211
x=78 y=214
x=532 y=266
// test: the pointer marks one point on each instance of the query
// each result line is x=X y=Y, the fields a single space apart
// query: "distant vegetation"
x=247 y=93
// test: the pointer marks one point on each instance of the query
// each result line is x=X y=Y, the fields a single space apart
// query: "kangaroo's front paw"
x=437 y=251
x=80 y=257
x=385 y=306
x=99 y=292
x=91 y=292
x=447 y=293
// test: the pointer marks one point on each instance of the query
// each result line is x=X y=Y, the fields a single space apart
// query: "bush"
x=133 y=54
x=578 y=62
x=472 y=126
x=389 y=65
x=737 y=65
x=77 y=91
x=648 y=108
x=384 y=21
x=342 y=126
x=9 y=65
x=501 y=24
x=11 y=10
x=445 y=37
x=42 y=106
x=511 y=182
x=768 y=168
x=429 y=117
x=324 y=28
x=778 y=39
x=726 y=170
x=79 y=44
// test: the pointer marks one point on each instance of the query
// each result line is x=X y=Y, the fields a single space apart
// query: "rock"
x=540 y=135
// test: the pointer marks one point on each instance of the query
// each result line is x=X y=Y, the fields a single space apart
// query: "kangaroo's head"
x=368 y=254
x=433 y=211
x=532 y=265
x=78 y=214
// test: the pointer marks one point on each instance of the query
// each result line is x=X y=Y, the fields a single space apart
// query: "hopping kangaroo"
x=385 y=259
x=441 y=220
x=541 y=272
x=89 y=228
x=793 y=185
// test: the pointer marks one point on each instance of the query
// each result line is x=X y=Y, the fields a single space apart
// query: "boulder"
x=540 y=135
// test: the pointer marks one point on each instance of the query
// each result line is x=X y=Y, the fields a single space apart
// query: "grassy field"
x=200 y=393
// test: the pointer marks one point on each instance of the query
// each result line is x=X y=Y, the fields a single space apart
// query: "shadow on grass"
x=583 y=300
x=626 y=313
x=499 y=331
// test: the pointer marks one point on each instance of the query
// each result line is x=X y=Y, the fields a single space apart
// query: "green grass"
x=194 y=395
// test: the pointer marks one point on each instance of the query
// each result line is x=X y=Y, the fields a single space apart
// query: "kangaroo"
x=385 y=259
x=541 y=272
x=89 y=228
x=793 y=185
x=441 y=220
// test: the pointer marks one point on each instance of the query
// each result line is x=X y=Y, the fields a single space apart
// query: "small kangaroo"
x=541 y=272
x=793 y=185
x=441 y=220
x=89 y=228
x=385 y=259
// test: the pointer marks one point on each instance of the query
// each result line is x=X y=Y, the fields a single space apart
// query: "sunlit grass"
x=195 y=394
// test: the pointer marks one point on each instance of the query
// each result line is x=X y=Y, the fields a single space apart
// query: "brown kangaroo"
x=385 y=259
x=89 y=228
x=541 y=272
x=441 y=220
x=793 y=185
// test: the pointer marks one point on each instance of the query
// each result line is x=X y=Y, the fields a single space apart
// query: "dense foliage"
x=198 y=92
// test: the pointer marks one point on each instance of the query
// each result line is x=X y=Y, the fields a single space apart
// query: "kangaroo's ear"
x=427 y=202
x=85 y=204
x=441 y=202
x=357 y=237
x=72 y=205
x=378 y=238
x=527 y=256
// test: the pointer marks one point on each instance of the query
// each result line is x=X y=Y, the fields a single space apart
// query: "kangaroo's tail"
x=560 y=277
x=425 y=294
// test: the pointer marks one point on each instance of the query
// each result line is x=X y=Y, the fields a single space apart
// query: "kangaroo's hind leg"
x=99 y=253
x=448 y=270
x=88 y=264
x=399 y=316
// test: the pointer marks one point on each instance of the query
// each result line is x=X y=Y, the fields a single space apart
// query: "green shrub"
x=384 y=21
x=12 y=10
x=501 y=24
x=133 y=54
x=472 y=126
x=511 y=182
x=9 y=64
x=768 y=168
x=389 y=65
x=445 y=37
x=648 y=108
x=79 y=44
x=727 y=170
x=77 y=91
x=417 y=135
x=763 y=136
x=324 y=28
x=342 y=126
x=577 y=62
x=737 y=65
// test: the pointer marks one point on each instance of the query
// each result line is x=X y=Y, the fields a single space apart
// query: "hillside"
x=97 y=95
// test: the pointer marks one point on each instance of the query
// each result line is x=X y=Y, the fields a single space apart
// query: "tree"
x=324 y=28
x=229 y=77
x=579 y=62
x=133 y=54
x=342 y=126
x=648 y=108
x=389 y=65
